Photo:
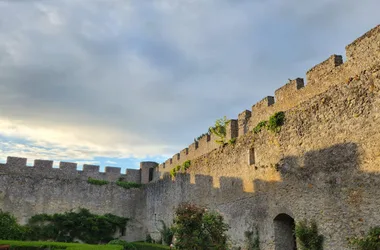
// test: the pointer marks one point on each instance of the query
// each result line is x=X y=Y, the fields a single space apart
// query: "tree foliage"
x=81 y=225
x=198 y=229
x=10 y=229
x=220 y=129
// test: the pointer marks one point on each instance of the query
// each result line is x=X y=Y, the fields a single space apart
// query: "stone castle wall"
x=26 y=191
x=362 y=54
x=322 y=165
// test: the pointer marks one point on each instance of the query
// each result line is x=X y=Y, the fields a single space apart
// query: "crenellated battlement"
x=362 y=54
x=67 y=170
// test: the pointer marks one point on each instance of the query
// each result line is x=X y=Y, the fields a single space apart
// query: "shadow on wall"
x=335 y=162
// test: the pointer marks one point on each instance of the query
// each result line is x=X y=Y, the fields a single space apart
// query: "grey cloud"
x=161 y=70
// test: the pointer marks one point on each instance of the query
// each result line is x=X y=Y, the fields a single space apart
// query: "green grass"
x=57 y=245
x=149 y=246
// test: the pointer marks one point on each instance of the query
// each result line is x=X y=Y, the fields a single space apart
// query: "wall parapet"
x=362 y=54
x=67 y=170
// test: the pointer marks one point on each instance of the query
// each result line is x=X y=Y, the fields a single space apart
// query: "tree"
x=197 y=228
x=220 y=129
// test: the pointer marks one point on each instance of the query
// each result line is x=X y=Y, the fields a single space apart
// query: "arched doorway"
x=284 y=232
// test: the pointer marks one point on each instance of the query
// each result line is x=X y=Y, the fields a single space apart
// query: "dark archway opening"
x=284 y=232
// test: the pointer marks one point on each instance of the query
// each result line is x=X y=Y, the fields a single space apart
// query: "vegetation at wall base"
x=197 y=228
x=307 y=236
x=273 y=124
x=97 y=182
x=166 y=234
x=252 y=241
x=66 y=227
x=10 y=229
x=39 y=245
x=128 y=185
x=369 y=242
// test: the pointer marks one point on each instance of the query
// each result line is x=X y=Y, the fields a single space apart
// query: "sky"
x=116 y=82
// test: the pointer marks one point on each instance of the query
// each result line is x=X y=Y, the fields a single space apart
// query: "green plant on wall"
x=166 y=234
x=180 y=168
x=220 y=130
x=252 y=240
x=128 y=185
x=307 y=236
x=273 y=124
x=371 y=241
x=97 y=182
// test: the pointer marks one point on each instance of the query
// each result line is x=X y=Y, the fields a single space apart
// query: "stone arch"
x=284 y=226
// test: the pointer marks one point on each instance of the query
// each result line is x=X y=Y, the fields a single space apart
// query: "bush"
x=252 y=242
x=370 y=242
x=83 y=225
x=198 y=229
x=274 y=124
x=10 y=229
x=260 y=126
x=276 y=121
x=166 y=234
x=308 y=237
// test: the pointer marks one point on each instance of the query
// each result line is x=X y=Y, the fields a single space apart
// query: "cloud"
x=116 y=78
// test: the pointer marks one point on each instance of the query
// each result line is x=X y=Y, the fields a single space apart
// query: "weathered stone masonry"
x=324 y=164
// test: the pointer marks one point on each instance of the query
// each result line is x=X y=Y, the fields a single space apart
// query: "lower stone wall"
x=25 y=196
x=323 y=165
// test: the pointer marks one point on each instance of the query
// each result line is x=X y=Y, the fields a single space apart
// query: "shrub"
x=128 y=185
x=260 y=126
x=252 y=242
x=97 y=182
x=276 y=121
x=370 y=242
x=179 y=168
x=198 y=229
x=10 y=229
x=166 y=234
x=82 y=225
x=273 y=124
x=307 y=236
x=186 y=165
